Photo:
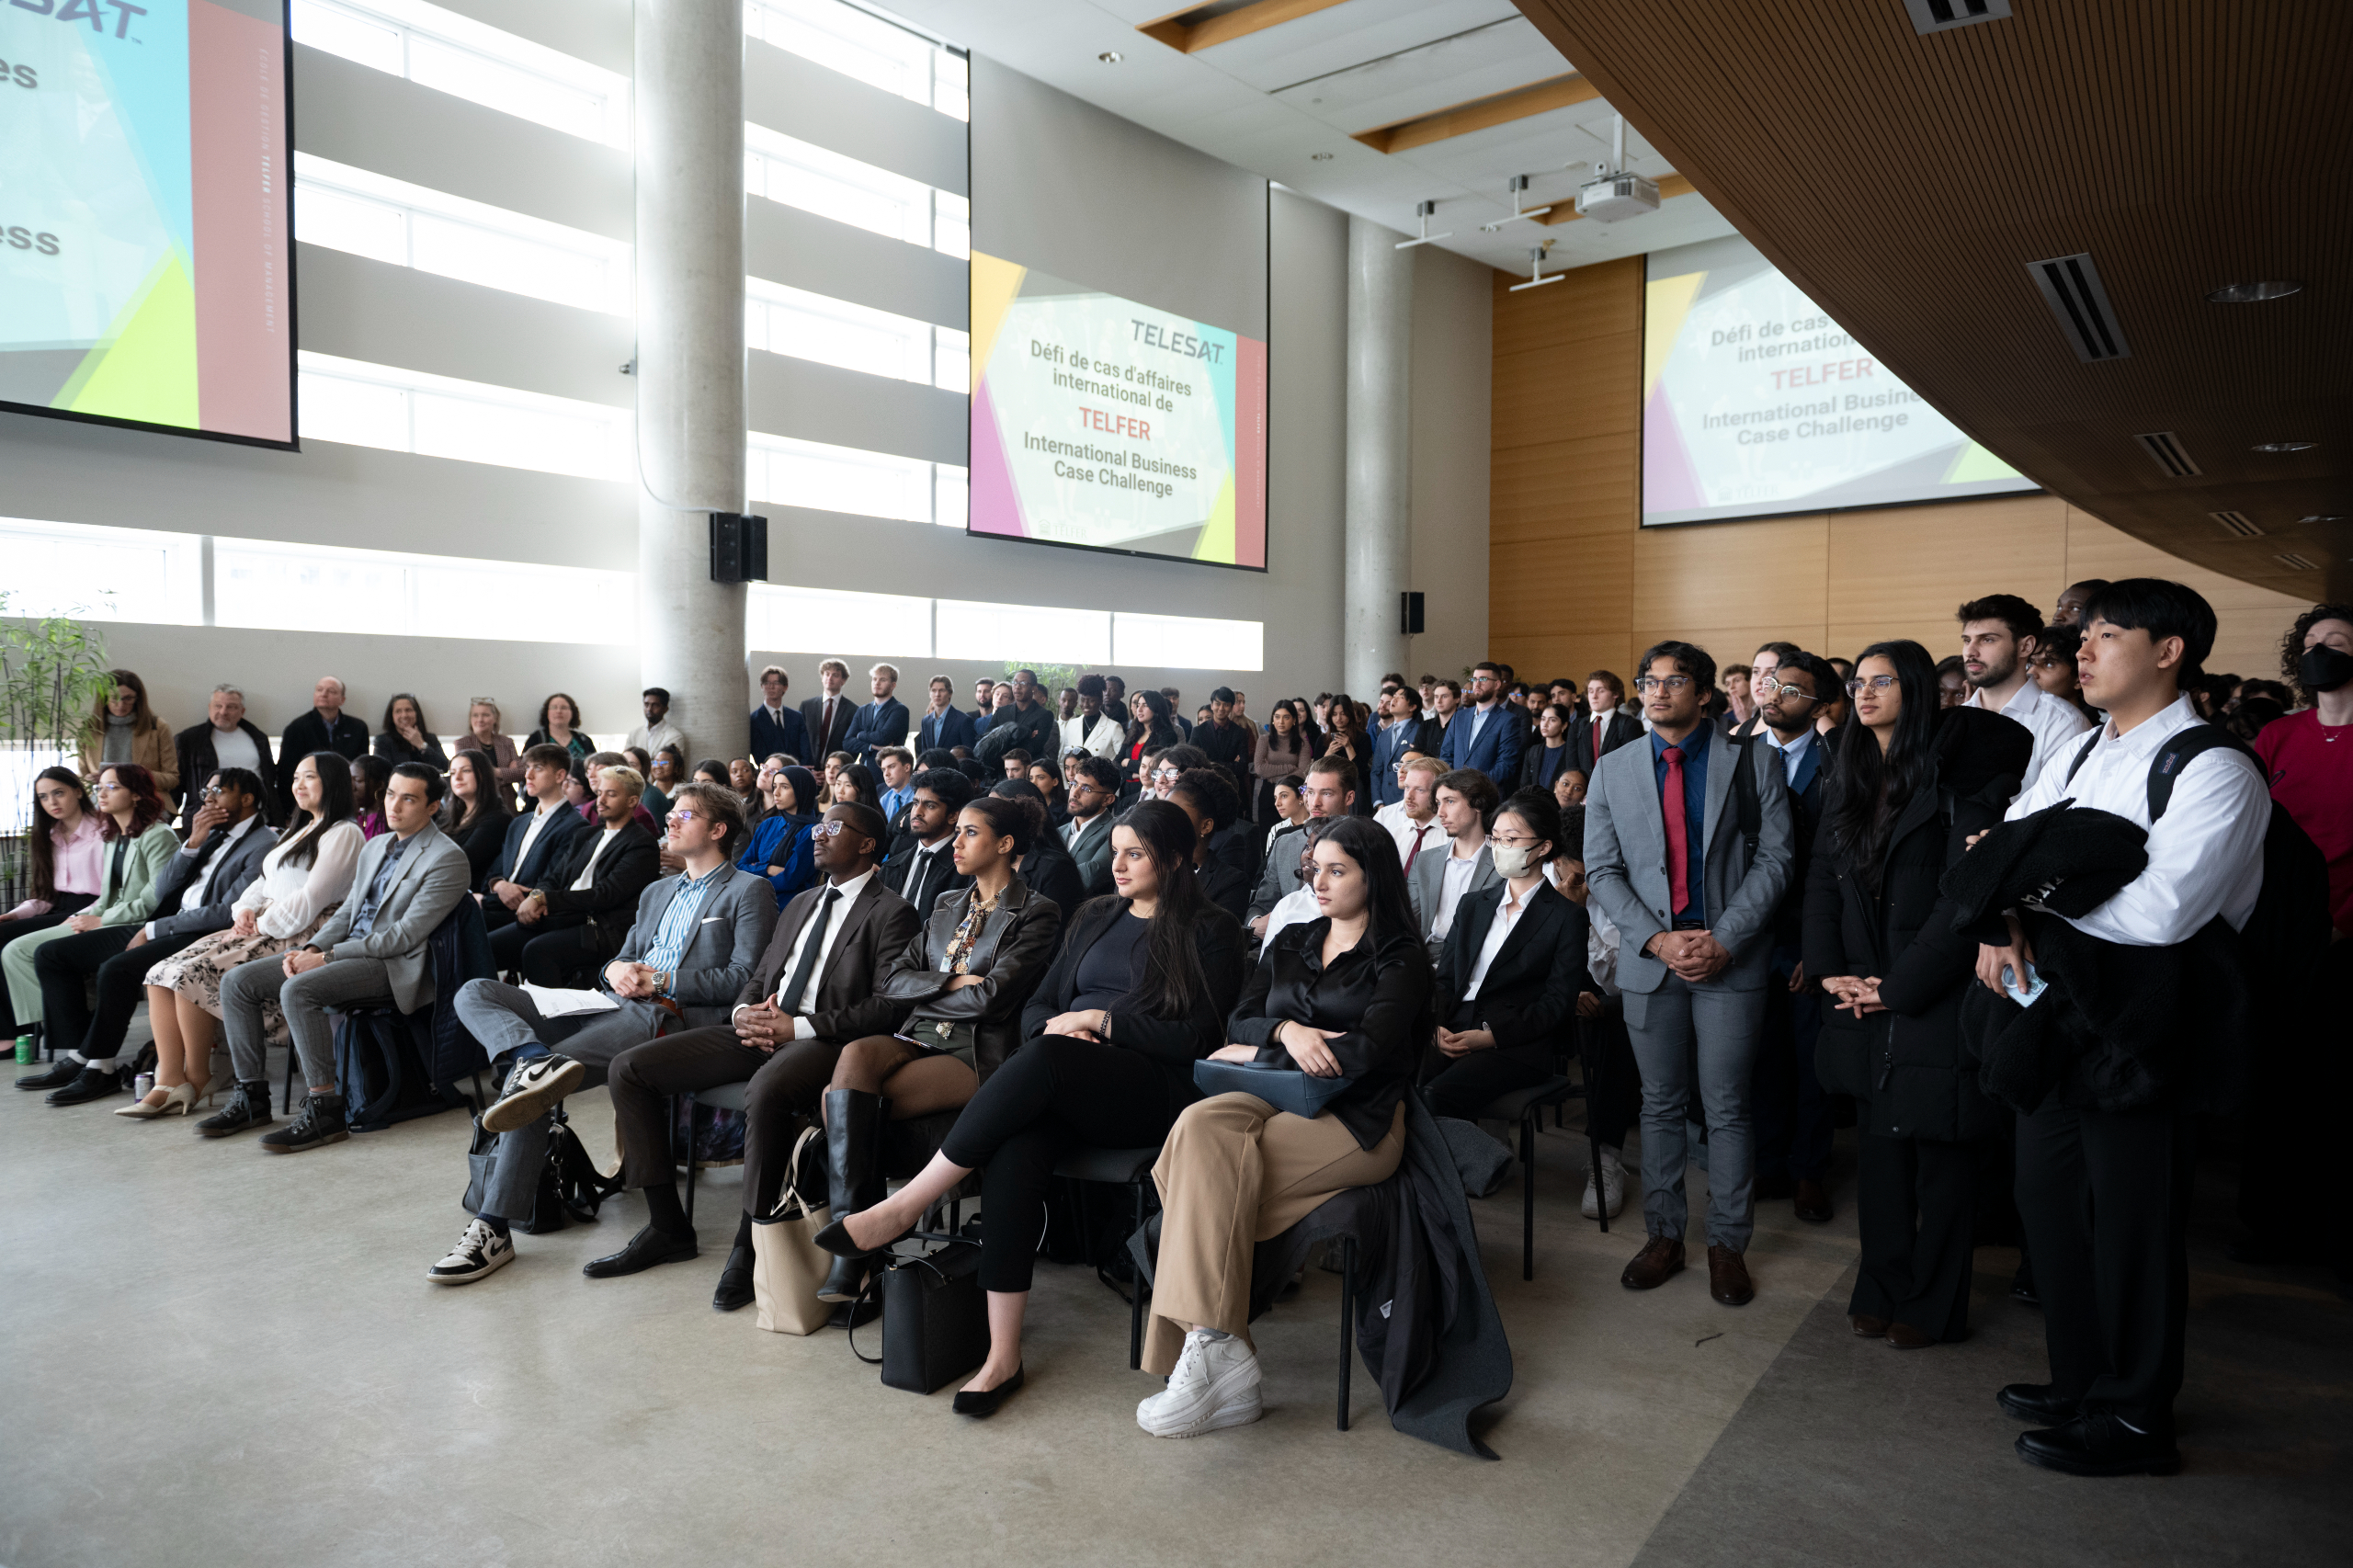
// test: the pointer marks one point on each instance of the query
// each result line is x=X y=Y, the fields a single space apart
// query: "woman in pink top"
x=68 y=864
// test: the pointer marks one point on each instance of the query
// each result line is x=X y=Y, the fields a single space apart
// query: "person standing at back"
x=2000 y=636
x=1671 y=860
x=1602 y=727
x=827 y=718
x=1490 y=735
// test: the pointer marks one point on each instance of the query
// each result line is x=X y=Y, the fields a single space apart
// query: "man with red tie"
x=1601 y=729
x=1689 y=846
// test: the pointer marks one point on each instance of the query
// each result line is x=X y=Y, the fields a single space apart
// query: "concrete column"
x=1380 y=544
x=688 y=98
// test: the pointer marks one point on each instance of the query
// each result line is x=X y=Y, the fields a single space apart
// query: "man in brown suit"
x=812 y=992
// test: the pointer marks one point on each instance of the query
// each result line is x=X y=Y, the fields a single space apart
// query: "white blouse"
x=288 y=898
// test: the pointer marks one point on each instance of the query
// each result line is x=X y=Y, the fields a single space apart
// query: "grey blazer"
x=1091 y=850
x=427 y=884
x=1279 y=879
x=231 y=874
x=1625 y=859
x=732 y=930
x=1427 y=885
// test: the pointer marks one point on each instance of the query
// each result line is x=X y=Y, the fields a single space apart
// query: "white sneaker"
x=1611 y=1177
x=533 y=1088
x=479 y=1252
x=1215 y=1384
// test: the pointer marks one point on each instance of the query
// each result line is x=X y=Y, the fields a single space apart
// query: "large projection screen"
x=1756 y=405
x=146 y=261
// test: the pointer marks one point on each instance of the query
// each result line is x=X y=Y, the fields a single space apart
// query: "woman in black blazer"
x=1500 y=1034
x=1138 y=994
x=1213 y=804
x=476 y=814
x=1911 y=786
x=1046 y=865
x=404 y=737
x=1550 y=751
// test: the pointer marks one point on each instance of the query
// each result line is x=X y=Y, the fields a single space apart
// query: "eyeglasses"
x=1861 y=684
x=1515 y=841
x=827 y=828
x=1167 y=772
x=684 y=814
x=1662 y=683
x=1770 y=687
x=210 y=791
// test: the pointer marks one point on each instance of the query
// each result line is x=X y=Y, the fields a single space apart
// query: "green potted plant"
x=53 y=673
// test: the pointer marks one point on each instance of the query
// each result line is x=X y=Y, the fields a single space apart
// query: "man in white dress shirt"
x=1998 y=643
x=1413 y=821
x=2105 y=1194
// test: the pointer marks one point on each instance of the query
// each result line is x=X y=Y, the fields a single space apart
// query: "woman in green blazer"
x=135 y=826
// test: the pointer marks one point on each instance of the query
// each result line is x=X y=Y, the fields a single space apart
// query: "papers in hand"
x=554 y=1001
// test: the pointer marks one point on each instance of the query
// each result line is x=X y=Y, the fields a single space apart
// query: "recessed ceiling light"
x=1320 y=157
x=2322 y=518
x=2285 y=446
x=1110 y=57
x=2252 y=294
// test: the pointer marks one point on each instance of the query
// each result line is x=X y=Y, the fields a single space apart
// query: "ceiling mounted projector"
x=1613 y=197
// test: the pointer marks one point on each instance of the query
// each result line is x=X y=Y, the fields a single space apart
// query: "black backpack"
x=571 y=1187
x=380 y=1071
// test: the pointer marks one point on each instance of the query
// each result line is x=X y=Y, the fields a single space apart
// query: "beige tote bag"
x=787 y=1263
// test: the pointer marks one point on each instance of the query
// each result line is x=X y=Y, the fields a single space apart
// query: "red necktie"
x=1679 y=834
x=1414 y=853
x=1596 y=739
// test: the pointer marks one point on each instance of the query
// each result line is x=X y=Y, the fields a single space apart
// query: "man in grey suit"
x=1093 y=786
x=1467 y=800
x=1689 y=844
x=693 y=944
x=373 y=951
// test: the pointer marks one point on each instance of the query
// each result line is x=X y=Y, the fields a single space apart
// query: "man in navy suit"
x=536 y=841
x=1489 y=734
x=775 y=727
x=945 y=726
x=882 y=722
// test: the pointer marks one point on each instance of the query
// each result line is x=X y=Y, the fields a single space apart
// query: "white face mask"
x=1513 y=860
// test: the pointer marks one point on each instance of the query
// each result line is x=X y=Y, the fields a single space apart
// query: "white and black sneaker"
x=534 y=1089
x=1215 y=1385
x=479 y=1252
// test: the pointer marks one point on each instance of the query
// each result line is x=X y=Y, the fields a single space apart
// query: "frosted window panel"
x=850 y=41
x=346 y=223
x=799 y=174
x=834 y=332
x=838 y=479
x=358 y=414
x=951 y=84
x=965 y=630
x=818 y=621
x=549 y=440
x=302 y=588
x=100 y=573
x=1188 y=643
x=951 y=489
x=340 y=32
x=952 y=226
x=482 y=255
x=952 y=360
x=525 y=94
x=446 y=598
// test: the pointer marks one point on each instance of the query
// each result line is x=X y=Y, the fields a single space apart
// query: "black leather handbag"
x=935 y=1319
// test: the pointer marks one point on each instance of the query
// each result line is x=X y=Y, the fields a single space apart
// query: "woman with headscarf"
x=779 y=850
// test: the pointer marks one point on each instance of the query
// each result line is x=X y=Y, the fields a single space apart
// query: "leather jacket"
x=1011 y=954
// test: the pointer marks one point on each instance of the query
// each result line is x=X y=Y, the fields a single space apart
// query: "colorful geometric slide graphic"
x=1101 y=422
x=144 y=255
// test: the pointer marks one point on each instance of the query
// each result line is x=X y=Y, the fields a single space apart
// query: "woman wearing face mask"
x=2308 y=756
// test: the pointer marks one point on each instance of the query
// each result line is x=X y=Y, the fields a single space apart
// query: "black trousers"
x=65 y=968
x=2105 y=1197
x=61 y=907
x=1055 y=1094
x=1915 y=1206
x=1792 y=1113
x=2289 y=1154
x=1613 y=1080
x=1462 y=1087
x=548 y=953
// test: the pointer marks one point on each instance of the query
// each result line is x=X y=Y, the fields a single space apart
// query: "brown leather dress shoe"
x=1904 y=1336
x=1728 y=1278
x=1812 y=1202
x=1867 y=1327
x=1660 y=1260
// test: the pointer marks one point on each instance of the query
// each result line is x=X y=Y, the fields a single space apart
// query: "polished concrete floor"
x=216 y=1357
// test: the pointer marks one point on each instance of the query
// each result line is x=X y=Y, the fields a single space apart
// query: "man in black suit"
x=326 y=727
x=1601 y=729
x=944 y=726
x=224 y=739
x=1760 y=671
x=921 y=865
x=1029 y=724
x=575 y=918
x=882 y=722
x=828 y=718
x=775 y=727
x=537 y=840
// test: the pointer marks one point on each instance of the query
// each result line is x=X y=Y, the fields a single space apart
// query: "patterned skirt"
x=197 y=969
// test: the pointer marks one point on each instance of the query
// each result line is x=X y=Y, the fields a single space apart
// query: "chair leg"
x=1135 y=1296
x=288 y=1108
x=1593 y=1164
x=1347 y=1318
x=689 y=1099
x=1527 y=1191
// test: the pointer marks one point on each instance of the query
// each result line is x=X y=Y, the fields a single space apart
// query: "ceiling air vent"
x=2166 y=449
x=2070 y=286
x=2297 y=562
x=2237 y=523
x=1943 y=15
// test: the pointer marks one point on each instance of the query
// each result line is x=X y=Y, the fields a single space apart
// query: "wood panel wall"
x=1576 y=583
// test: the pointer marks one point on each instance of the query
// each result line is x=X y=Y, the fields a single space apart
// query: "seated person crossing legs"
x=569 y=922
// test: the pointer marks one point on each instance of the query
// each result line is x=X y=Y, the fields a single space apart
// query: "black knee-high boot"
x=853 y=1176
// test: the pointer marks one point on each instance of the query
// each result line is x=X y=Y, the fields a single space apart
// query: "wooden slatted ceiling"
x=1198 y=26
x=1478 y=114
x=1905 y=182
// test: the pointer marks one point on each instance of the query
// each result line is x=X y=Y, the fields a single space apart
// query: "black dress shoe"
x=835 y=1239
x=650 y=1246
x=2096 y=1443
x=56 y=1075
x=2038 y=1402
x=734 y=1282
x=1813 y=1203
x=92 y=1082
x=2024 y=1292
x=985 y=1402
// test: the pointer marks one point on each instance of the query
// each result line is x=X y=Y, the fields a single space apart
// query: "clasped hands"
x=1304 y=1043
x=1462 y=1043
x=632 y=980
x=764 y=1026
x=1856 y=994
x=1087 y=1024
x=1692 y=956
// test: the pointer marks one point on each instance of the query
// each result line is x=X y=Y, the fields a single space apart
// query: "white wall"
x=1453 y=348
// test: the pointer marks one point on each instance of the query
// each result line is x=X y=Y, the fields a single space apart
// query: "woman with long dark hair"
x=1911 y=784
x=405 y=738
x=779 y=849
x=304 y=881
x=136 y=842
x=1149 y=732
x=67 y=849
x=1343 y=996
x=124 y=728
x=1343 y=736
x=559 y=725
x=474 y=812
x=1138 y=994
x=1283 y=753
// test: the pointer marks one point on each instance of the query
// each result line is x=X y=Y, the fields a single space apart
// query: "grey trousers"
x=1712 y=1034
x=504 y=1018
x=304 y=999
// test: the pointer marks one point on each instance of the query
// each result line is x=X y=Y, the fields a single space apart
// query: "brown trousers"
x=785 y=1089
x=1235 y=1172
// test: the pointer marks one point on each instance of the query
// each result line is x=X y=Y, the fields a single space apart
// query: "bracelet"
x=1106 y=1031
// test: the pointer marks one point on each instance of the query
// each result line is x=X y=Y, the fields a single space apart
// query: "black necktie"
x=826 y=740
x=789 y=999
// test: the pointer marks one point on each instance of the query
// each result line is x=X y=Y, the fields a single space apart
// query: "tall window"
x=801 y=173
x=833 y=331
x=409 y=411
x=857 y=43
x=455 y=54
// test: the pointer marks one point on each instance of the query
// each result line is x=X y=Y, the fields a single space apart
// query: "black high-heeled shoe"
x=986 y=1402
x=835 y=1239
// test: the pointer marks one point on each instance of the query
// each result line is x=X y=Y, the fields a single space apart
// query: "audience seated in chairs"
x=1209 y=800
x=812 y=992
x=1510 y=971
x=194 y=894
x=226 y=740
x=779 y=850
x=404 y=737
x=1094 y=786
x=534 y=841
x=1344 y=995
x=369 y=776
x=483 y=735
x=66 y=850
x=922 y=863
x=303 y=880
x=1045 y=865
x=1329 y=791
x=1135 y=997
x=585 y=801
x=968 y=974
x=568 y=923
x=373 y=951
x=1466 y=802
x=691 y=948
x=474 y=813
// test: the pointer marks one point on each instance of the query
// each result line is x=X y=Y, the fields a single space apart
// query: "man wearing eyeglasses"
x=695 y=939
x=1687 y=852
x=1491 y=734
x=1092 y=785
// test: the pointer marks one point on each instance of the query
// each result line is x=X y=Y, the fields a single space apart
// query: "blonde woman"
x=484 y=727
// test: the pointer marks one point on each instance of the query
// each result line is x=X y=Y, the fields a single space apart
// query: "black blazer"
x=1620 y=729
x=788 y=735
x=901 y=861
x=1051 y=871
x=548 y=849
x=1528 y=997
x=484 y=843
x=945 y=731
x=1173 y=1043
x=1378 y=996
x=824 y=742
x=198 y=764
x=347 y=738
x=1531 y=762
x=625 y=869
x=394 y=750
